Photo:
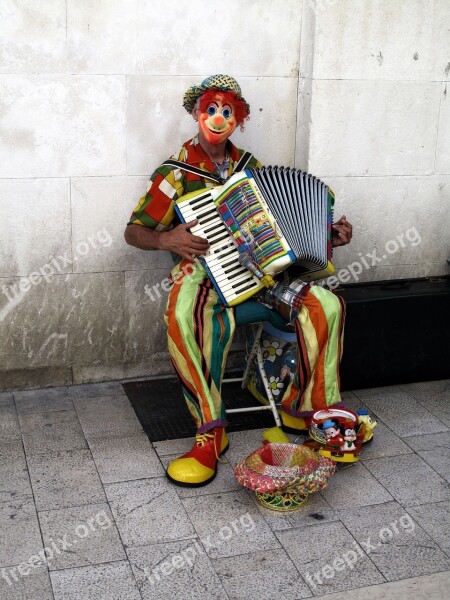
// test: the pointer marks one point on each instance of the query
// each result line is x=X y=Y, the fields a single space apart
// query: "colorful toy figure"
x=367 y=425
x=337 y=434
x=349 y=437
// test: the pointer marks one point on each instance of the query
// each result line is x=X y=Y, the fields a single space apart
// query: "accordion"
x=259 y=223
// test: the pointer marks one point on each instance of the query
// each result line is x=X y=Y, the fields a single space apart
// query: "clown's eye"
x=226 y=112
x=211 y=110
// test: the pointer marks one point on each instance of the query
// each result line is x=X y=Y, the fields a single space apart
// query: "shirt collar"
x=196 y=155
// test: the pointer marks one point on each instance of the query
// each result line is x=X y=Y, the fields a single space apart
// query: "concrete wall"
x=90 y=103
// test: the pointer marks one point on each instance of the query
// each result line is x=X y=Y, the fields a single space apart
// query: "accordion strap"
x=242 y=163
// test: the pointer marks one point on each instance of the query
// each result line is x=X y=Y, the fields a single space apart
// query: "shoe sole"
x=201 y=483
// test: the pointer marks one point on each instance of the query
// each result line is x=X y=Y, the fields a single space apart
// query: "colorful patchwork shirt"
x=156 y=207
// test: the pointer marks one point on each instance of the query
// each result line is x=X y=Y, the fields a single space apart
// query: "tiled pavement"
x=80 y=478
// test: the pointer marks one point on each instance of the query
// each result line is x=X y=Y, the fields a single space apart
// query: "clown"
x=200 y=329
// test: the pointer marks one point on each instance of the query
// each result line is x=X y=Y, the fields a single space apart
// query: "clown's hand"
x=341 y=232
x=180 y=241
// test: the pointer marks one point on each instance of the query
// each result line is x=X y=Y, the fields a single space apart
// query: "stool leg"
x=266 y=384
x=252 y=354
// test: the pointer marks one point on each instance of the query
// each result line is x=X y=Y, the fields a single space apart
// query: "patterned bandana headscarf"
x=223 y=83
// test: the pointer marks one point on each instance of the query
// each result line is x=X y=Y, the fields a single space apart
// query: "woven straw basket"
x=284 y=475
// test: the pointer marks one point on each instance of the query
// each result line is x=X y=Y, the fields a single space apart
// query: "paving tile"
x=400 y=412
x=435 y=519
x=229 y=524
x=34 y=586
x=107 y=416
x=51 y=431
x=427 y=587
x=168 y=447
x=384 y=443
x=95 y=390
x=14 y=479
x=83 y=535
x=439 y=459
x=243 y=443
x=224 y=481
x=394 y=542
x=9 y=425
x=409 y=479
x=328 y=558
x=316 y=510
x=354 y=486
x=175 y=570
x=148 y=511
x=125 y=458
x=20 y=537
x=428 y=442
x=434 y=396
x=6 y=399
x=263 y=575
x=113 y=581
x=64 y=479
x=43 y=400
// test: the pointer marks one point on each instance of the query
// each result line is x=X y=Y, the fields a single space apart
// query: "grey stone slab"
x=354 y=486
x=224 y=481
x=427 y=587
x=171 y=447
x=315 y=510
x=20 y=536
x=329 y=558
x=384 y=443
x=95 y=390
x=439 y=459
x=175 y=570
x=263 y=575
x=83 y=535
x=80 y=321
x=51 y=431
x=428 y=442
x=400 y=412
x=6 y=399
x=64 y=479
x=43 y=400
x=148 y=511
x=107 y=416
x=229 y=524
x=31 y=377
x=435 y=519
x=243 y=443
x=113 y=581
x=9 y=425
x=409 y=479
x=434 y=396
x=33 y=586
x=14 y=478
x=397 y=545
x=125 y=458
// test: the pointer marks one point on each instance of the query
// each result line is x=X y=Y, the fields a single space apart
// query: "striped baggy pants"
x=200 y=331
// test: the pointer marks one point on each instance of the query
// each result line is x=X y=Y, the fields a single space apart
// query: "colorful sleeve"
x=156 y=208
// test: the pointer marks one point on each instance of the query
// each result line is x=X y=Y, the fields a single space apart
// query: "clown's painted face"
x=217 y=121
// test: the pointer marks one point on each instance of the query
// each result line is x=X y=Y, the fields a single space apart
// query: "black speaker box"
x=396 y=332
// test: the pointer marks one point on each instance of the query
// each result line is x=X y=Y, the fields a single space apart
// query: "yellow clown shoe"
x=199 y=466
x=291 y=424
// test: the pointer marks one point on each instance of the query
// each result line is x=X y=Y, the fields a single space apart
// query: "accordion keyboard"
x=233 y=281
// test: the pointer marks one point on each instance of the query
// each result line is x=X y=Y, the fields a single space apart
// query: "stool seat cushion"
x=253 y=312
